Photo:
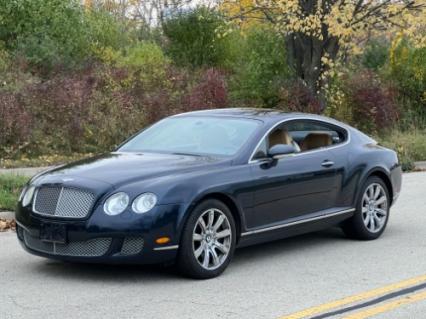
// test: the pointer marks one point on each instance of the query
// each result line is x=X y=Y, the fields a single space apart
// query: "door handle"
x=327 y=163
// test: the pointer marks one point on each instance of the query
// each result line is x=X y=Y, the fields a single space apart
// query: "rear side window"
x=312 y=134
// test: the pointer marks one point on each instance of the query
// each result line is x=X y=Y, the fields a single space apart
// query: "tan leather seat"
x=315 y=140
x=279 y=136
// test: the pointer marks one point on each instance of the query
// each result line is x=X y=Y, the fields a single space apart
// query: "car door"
x=294 y=186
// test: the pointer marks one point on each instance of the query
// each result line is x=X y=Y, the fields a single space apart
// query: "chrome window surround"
x=251 y=160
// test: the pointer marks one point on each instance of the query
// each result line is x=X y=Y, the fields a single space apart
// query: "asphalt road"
x=265 y=281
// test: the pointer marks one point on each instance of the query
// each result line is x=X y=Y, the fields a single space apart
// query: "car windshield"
x=217 y=136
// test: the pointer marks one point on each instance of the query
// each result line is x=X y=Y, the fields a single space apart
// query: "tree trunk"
x=305 y=53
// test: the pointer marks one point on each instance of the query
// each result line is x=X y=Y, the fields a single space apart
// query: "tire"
x=372 y=214
x=199 y=241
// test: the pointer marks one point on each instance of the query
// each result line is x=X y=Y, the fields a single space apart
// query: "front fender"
x=233 y=185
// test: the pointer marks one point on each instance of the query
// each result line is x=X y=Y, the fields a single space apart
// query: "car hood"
x=119 y=168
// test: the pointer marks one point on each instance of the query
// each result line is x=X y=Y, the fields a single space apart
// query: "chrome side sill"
x=166 y=247
x=262 y=230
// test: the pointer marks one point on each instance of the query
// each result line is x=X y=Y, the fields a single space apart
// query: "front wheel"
x=208 y=241
x=372 y=211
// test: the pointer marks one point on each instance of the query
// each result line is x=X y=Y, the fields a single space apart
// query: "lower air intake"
x=91 y=248
x=132 y=246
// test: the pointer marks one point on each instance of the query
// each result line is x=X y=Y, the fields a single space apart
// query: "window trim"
x=251 y=160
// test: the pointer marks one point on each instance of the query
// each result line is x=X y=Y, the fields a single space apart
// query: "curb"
x=7 y=215
x=420 y=166
x=24 y=171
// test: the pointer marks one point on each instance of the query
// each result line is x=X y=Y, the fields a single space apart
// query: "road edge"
x=7 y=215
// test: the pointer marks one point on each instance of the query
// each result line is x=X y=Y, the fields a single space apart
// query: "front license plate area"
x=54 y=233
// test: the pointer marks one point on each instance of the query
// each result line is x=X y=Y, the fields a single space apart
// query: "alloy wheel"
x=211 y=239
x=374 y=207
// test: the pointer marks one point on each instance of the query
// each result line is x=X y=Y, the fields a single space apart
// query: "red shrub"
x=373 y=103
x=156 y=106
x=92 y=110
x=211 y=92
x=15 y=124
x=296 y=97
x=165 y=100
x=60 y=104
x=181 y=95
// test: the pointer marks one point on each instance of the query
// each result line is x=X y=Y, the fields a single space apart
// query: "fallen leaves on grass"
x=6 y=224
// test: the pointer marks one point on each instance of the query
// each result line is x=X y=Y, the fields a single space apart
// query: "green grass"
x=44 y=160
x=410 y=145
x=10 y=188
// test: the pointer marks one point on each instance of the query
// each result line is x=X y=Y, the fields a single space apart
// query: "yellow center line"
x=388 y=306
x=355 y=298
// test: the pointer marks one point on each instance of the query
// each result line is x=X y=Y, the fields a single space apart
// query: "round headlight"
x=116 y=204
x=28 y=196
x=144 y=203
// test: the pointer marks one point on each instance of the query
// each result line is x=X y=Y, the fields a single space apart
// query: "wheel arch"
x=384 y=176
x=228 y=201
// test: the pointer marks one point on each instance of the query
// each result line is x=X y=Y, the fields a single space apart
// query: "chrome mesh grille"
x=62 y=202
x=36 y=244
x=46 y=200
x=92 y=248
x=132 y=246
x=74 y=203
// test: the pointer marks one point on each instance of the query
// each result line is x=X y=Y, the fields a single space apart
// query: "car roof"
x=270 y=116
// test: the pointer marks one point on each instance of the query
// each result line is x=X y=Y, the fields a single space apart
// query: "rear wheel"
x=372 y=211
x=208 y=241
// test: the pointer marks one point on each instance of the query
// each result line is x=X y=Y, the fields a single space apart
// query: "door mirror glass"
x=279 y=150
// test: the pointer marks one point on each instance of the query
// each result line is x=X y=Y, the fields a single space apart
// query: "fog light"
x=162 y=240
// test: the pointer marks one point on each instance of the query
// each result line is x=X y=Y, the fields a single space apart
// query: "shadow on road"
x=288 y=246
x=157 y=273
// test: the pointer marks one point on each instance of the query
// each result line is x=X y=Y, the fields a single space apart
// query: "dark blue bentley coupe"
x=193 y=187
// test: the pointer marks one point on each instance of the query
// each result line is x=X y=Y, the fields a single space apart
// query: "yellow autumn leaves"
x=348 y=20
x=7 y=224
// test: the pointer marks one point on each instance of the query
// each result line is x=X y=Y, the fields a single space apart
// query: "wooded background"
x=80 y=77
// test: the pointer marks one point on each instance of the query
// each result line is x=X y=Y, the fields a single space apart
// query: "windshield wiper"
x=186 y=154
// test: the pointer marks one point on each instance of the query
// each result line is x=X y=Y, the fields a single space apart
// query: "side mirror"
x=279 y=150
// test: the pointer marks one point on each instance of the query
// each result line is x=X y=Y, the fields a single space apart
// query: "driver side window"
x=278 y=136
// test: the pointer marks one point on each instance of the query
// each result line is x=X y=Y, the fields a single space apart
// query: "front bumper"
x=396 y=180
x=126 y=238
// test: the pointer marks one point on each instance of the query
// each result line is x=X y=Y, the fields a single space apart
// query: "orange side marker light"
x=162 y=240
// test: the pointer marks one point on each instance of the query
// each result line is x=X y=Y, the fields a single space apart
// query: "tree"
x=148 y=12
x=45 y=32
x=259 y=67
x=318 y=32
x=193 y=38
